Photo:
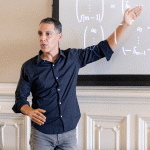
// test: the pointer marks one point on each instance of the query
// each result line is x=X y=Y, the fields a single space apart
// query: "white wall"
x=19 y=22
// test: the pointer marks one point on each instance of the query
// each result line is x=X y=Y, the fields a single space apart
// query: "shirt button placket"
x=58 y=90
x=60 y=103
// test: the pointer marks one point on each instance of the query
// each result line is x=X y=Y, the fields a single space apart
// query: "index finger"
x=137 y=8
x=41 y=115
x=41 y=110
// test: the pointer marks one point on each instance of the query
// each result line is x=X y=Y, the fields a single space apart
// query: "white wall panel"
x=13 y=131
x=103 y=132
x=144 y=133
x=115 y=118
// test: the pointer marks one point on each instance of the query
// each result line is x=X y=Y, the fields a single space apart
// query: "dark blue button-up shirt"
x=53 y=86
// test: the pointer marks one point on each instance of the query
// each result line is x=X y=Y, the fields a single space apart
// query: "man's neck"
x=50 y=56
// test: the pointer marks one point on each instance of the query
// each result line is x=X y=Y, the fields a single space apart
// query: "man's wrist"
x=124 y=24
x=25 y=109
x=29 y=112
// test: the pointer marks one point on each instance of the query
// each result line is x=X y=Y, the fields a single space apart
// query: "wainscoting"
x=112 y=118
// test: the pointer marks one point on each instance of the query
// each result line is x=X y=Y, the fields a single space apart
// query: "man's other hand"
x=131 y=15
x=34 y=114
x=37 y=116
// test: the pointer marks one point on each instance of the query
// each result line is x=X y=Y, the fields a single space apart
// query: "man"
x=51 y=77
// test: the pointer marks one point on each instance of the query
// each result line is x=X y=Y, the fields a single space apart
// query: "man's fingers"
x=41 y=110
x=41 y=116
x=37 y=121
x=127 y=11
x=38 y=118
x=137 y=10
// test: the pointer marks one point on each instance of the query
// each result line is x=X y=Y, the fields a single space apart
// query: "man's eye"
x=39 y=33
x=48 y=34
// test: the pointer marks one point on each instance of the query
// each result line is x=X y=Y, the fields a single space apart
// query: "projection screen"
x=87 y=22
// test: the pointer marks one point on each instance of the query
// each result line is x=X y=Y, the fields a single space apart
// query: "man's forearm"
x=115 y=37
x=25 y=109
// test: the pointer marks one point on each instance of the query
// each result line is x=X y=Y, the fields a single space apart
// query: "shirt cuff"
x=16 y=108
x=106 y=49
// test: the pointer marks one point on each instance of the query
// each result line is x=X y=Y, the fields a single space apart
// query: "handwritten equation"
x=90 y=13
x=94 y=34
x=93 y=12
x=134 y=51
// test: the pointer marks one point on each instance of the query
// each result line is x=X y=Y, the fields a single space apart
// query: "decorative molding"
x=11 y=98
x=2 y=126
x=18 y=121
x=117 y=130
x=5 y=123
x=102 y=95
x=7 y=116
x=100 y=128
x=114 y=96
x=7 y=88
x=97 y=123
x=27 y=131
x=143 y=130
x=18 y=137
x=113 y=87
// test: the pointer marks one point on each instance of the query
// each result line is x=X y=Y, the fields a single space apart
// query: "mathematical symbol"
x=138 y=40
x=139 y=29
x=92 y=17
x=98 y=17
x=93 y=30
x=144 y=53
x=124 y=51
x=127 y=5
x=137 y=53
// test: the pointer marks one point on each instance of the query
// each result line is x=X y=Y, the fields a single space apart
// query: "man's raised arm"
x=129 y=17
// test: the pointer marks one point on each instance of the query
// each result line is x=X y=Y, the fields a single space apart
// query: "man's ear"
x=60 y=36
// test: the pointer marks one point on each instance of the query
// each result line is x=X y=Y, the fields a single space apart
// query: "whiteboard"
x=87 y=22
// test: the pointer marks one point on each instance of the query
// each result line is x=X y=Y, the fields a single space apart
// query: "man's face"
x=49 y=37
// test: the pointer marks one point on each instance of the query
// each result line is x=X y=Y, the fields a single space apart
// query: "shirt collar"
x=39 y=59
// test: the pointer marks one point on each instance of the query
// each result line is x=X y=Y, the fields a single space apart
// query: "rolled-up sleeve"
x=94 y=53
x=22 y=90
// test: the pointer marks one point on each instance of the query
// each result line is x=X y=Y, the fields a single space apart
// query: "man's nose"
x=42 y=37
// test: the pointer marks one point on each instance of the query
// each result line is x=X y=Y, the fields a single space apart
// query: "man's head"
x=49 y=35
x=55 y=22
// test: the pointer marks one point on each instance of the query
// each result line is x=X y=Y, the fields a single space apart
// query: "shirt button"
x=57 y=78
x=61 y=116
x=53 y=65
x=58 y=89
x=60 y=103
